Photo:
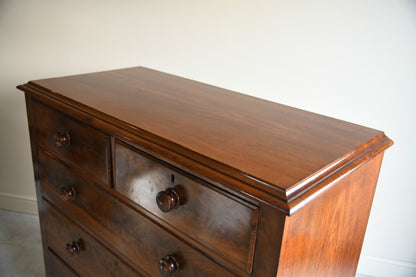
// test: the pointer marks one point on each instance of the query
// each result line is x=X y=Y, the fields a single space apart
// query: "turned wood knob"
x=168 y=200
x=168 y=265
x=73 y=248
x=68 y=193
x=62 y=139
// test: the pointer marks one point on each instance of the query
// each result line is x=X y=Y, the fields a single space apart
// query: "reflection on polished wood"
x=142 y=173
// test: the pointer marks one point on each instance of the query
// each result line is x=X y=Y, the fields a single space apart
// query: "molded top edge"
x=281 y=151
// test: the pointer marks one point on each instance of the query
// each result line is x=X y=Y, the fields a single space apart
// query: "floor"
x=20 y=245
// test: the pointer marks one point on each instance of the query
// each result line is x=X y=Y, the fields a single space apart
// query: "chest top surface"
x=281 y=150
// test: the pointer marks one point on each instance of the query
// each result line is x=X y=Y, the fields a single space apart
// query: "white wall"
x=353 y=60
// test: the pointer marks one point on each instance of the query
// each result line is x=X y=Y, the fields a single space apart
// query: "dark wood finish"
x=141 y=179
x=337 y=234
x=131 y=235
x=68 y=193
x=57 y=267
x=168 y=199
x=168 y=266
x=81 y=144
x=92 y=260
x=199 y=181
x=62 y=139
x=269 y=240
x=295 y=151
x=74 y=248
x=51 y=265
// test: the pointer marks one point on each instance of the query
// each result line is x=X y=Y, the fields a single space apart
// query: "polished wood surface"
x=132 y=236
x=77 y=142
x=337 y=234
x=168 y=266
x=57 y=267
x=220 y=128
x=62 y=139
x=169 y=199
x=68 y=193
x=206 y=215
x=90 y=258
x=141 y=173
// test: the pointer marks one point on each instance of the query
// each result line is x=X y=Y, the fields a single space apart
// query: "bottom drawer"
x=79 y=250
x=56 y=267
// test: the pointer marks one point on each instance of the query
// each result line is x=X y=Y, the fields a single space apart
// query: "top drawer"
x=70 y=139
x=223 y=224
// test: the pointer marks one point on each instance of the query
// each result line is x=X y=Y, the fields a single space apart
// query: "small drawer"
x=73 y=140
x=223 y=224
x=132 y=236
x=80 y=251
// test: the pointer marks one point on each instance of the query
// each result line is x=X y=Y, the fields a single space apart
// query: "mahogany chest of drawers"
x=141 y=173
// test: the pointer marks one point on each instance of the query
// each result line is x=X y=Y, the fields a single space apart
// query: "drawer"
x=221 y=223
x=80 y=251
x=56 y=267
x=73 y=140
x=132 y=236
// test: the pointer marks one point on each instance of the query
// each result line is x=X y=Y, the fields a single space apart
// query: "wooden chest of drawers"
x=141 y=173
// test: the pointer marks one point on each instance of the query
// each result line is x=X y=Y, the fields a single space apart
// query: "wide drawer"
x=56 y=267
x=80 y=251
x=73 y=140
x=132 y=236
x=223 y=224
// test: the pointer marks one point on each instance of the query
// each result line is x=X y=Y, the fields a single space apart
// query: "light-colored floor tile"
x=19 y=228
x=26 y=260
x=20 y=245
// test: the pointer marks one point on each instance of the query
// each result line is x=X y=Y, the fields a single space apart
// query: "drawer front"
x=79 y=250
x=56 y=267
x=77 y=142
x=224 y=225
x=133 y=237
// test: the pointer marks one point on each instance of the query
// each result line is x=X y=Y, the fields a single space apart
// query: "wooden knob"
x=68 y=193
x=73 y=248
x=62 y=139
x=168 y=266
x=168 y=200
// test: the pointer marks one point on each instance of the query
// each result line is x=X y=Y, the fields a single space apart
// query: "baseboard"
x=18 y=203
x=380 y=267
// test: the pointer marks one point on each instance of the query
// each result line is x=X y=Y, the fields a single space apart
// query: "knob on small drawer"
x=73 y=248
x=168 y=265
x=168 y=200
x=68 y=193
x=62 y=139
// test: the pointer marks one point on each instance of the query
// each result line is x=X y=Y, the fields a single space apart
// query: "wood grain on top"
x=285 y=150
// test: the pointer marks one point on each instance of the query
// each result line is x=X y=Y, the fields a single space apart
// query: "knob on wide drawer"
x=68 y=193
x=73 y=248
x=168 y=265
x=62 y=139
x=168 y=200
